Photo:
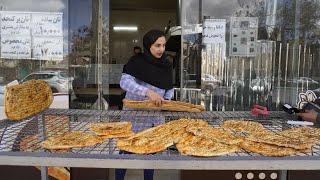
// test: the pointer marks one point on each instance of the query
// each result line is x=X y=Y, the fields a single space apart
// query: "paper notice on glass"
x=47 y=24
x=15 y=23
x=243 y=36
x=15 y=47
x=214 y=31
x=48 y=48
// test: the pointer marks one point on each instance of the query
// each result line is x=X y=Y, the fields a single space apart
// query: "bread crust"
x=27 y=99
x=166 y=105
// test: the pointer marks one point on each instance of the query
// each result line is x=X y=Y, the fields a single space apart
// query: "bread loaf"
x=27 y=99
x=166 y=105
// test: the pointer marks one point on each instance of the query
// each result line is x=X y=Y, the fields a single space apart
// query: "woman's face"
x=158 y=47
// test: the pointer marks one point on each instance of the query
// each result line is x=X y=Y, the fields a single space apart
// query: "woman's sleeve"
x=168 y=94
x=129 y=84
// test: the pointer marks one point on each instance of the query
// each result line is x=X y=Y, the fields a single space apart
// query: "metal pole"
x=181 y=15
x=287 y=59
x=284 y=174
x=44 y=173
x=279 y=74
x=97 y=27
x=42 y=132
x=200 y=11
x=178 y=15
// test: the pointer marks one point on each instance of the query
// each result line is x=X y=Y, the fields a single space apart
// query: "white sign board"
x=243 y=36
x=39 y=32
x=47 y=24
x=214 y=31
x=17 y=47
x=48 y=48
x=15 y=24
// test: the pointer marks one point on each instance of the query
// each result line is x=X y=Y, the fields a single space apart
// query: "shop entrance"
x=129 y=21
x=102 y=42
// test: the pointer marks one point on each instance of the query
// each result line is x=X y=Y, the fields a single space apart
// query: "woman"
x=147 y=75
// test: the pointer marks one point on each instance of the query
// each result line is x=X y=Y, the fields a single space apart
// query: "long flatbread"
x=276 y=139
x=199 y=146
x=159 y=138
x=145 y=142
x=305 y=134
x=267 y=149
x=73 y=139
x=27 y=99
x=217 y=134
x=59 y=173
x=30 y=144
x=166 y=105
x=250 y=127
x=143 y=146
x=179 y=103
x=112 y=129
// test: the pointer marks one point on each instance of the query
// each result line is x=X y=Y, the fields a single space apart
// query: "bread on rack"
x=204 y=147
x=112 y=129
x=159 y=138
x=30 y=144
x=166 y=105
x=267 y=149
x=71 y=139
x=27 y=99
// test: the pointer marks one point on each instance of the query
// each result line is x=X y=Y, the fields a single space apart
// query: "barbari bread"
x=27 y=99
x=145 y=142
x=59 y=173
x=217 y=134
x=30 y=144
x=267 y=149
x=199 y=146
x=276 y=139
x=250 y=127
x=166 y=105
x=72 y=139
x=305 y=134
x=159 y=138
x=112 y=129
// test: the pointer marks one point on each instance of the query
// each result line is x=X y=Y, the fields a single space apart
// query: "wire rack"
x=27 y=135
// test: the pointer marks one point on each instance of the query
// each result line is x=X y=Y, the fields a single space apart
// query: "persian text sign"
x=47 y=24
x=214 y=31
x=48 y=48
x=17 y=47
x=39 y=35
x=15 y=24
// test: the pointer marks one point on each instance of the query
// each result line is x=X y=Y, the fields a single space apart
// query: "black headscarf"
x=149 y=69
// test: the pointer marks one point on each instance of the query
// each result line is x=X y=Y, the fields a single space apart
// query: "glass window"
x=267 y=53
x=34 y=38
x=89 y=58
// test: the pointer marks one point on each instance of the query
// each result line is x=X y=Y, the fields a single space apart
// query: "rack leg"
x=284 y=174
x=44 y=173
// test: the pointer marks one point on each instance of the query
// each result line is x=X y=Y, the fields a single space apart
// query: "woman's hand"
x=155 y=97
x=309 y=115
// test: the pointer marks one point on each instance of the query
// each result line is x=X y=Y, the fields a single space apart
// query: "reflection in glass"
x=34 y=44
x=89 y=54
x=272 y=53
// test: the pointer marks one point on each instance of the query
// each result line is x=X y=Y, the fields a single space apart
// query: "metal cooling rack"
x=20 y=142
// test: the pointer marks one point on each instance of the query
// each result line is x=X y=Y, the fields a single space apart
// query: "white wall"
x=121 y=43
